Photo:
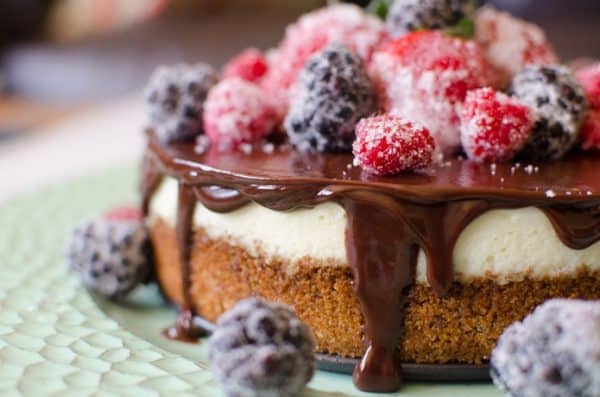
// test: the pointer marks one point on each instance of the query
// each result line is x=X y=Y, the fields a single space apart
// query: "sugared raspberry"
x=406 y=16
x=494 y=127
x=332 y=94
x=387 y=145
x=124 y=213
x=341 y=23
x=590 y=132
x=249 y=65
x=510 y=43
x=425 y=76
x=589 y=78
x=237 y=111
x=559 y=105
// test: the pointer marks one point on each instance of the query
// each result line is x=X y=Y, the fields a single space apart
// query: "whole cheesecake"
x=437 y=262
x=409 y=192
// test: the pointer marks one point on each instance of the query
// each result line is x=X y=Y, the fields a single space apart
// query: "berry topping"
x=333 y=93
x=554 y=352
x=175 y=96
x=559 y=106
x=110 y=255
x=425 y=76
x=494 y=127
x=124 y=213
x=590 y=133
x=511 y=43
x=250 y=65
x=589 y=78
x=236 y=112
x=339 y=23
x=388 y=144
x=261 y=349
x=406 y=16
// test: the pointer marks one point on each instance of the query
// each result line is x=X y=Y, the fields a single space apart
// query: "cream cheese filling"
x=502 y=245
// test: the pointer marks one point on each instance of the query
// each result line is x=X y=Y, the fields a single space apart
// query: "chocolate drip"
x=185 y=329
x=382 y=253
x=151 y=178
x=183 y=231
x=388 y=219
x=578 y=226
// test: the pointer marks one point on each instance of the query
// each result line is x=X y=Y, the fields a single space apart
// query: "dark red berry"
x=249 y=65
x=494 y=127
x=124 y=213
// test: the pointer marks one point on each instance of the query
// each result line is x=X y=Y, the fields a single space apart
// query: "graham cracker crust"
x=460 y=328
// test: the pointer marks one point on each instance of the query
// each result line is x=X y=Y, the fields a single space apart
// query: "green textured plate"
x=56 y=339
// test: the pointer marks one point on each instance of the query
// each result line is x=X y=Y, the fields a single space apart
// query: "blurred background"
x=59 y=55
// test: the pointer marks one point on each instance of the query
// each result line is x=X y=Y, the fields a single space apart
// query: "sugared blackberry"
x=559 y=105
x=332 y=94
x=175 y=97
x=554 y=352
x=261 y=349
x=110 y=256
x=406 y=16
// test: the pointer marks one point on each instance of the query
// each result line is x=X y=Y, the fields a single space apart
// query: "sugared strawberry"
x=510 y=43
x=388 y=144
x=124 y=213
x=237 y=111
x=341 y=23
x=590 y=133
x=249 y=65
x=494 y=126
x=424 y=76
x=589 y=78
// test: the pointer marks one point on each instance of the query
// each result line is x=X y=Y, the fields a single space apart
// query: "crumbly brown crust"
x=462 y=327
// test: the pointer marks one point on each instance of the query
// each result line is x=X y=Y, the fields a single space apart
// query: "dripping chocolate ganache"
x=388 y=221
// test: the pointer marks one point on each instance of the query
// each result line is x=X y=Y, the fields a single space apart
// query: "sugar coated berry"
x=494 y=127
x=175 y=96
x=262 y=349
x=425 y=76
x=332 y=94
x=559 y=107
x=125 y=213
x=339 y=23
x=589 y=78
x=554 y=352
x=237 y=111
x=510 y=43
x=387 y=145
x=249 y=65
x=406 y=16
x=590 y=133
x=110 y=255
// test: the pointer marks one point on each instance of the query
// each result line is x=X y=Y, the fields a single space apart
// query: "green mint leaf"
x=379 y=7
x=465 y=28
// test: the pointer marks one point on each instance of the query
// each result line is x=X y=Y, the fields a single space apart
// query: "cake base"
x=461 y=328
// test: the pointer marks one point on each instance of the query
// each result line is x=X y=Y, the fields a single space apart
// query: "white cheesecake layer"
x=502 y=245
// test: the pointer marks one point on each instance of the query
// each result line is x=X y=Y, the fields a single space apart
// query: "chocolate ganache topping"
x=388 y=218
